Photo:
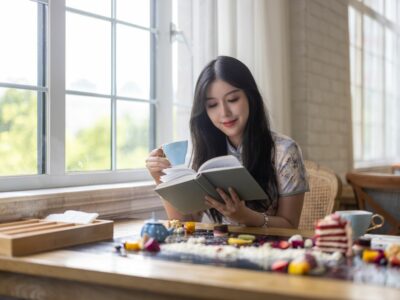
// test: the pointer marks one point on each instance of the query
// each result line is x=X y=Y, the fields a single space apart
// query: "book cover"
x=186 y=192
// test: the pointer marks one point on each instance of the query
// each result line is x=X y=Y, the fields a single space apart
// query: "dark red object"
x=152 y=245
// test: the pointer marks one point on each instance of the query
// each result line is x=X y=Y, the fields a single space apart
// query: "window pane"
x=391 y=121
x=357 y=121
x=390 y=9
x=375 y=111
x=88 y=54
x=134 y=11
x=373 y=72
x=376 y=5
x=391 y=81
x=88 y=133
x=18 y=35
x=390 y=49
x=18 y=132
x=373 y=125
x=133 y=62
x=373 y=36
x=357 y=142
x=132 y=134
x=99 y=7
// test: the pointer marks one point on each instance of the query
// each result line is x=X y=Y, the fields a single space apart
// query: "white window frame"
x=386 y=23
x=55 y=175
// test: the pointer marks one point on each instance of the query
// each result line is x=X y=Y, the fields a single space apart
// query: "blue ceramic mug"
x=176 y=152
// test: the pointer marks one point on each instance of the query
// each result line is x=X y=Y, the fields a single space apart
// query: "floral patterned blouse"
x=290 y=170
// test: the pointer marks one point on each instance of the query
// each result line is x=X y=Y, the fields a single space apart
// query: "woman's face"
x=228 y=109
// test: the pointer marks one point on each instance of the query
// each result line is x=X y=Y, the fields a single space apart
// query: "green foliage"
x=18 y=135
x=87 y=150
x=132 y=142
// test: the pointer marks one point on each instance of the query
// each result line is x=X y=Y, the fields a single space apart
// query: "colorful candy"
x=190 y=227
x=249 y=237
x=370 y=255
x=132 y=246
x=238 y=242
x=280 y=266
x=152 y=245
x=299 y=267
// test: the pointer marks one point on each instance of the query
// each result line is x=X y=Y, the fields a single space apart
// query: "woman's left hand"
x=232 y=208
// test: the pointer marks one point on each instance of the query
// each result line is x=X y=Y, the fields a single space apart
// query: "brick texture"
x=320 y=82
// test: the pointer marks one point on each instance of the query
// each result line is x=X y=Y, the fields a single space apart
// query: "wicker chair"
x=379 y=193
x=325 y=190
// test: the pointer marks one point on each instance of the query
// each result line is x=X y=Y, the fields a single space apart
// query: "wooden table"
x=67 y=274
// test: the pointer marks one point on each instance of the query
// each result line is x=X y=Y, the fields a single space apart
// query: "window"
x=375 y=72
x=23 y=87
x=87 y=89
x=109 y=58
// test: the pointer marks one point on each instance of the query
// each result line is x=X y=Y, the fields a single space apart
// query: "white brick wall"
x=320 y=82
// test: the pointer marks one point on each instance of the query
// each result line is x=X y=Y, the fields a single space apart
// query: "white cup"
x=360 y=221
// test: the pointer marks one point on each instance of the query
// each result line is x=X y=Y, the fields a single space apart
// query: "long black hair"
x=258 y=147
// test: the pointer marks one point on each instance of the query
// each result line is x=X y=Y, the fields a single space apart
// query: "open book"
x=185 y=189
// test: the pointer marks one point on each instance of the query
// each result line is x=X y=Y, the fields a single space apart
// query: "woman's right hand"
x=156 y=163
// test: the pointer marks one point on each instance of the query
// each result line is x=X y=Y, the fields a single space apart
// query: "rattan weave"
x=325 y=190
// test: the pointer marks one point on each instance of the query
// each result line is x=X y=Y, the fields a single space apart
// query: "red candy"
x=152 y=245
x=284 y=245
x=395 y=262
x=280 y=266
x=297 y=244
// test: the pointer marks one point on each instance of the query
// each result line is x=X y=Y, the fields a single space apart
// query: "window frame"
x=55 y=174
x=365 y=10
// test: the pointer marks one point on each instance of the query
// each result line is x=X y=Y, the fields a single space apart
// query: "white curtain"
x=256 y=32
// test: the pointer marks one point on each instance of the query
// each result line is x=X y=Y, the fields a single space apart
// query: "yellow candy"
x=190 y=227
x=133 y=246
x=392 y=250
x=370 y=255
x=249 y=237
x=237 y=241
x=298 y=268
x=174 y=224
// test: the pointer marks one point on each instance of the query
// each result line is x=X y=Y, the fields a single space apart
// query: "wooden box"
x=35 y=235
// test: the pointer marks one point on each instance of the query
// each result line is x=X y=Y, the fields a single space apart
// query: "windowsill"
x=377 y=168
x=75 y=189
x=111 y=201
x=374 y=166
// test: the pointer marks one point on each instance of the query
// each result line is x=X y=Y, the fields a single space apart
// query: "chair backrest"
x=379 y=193
x=325 y=189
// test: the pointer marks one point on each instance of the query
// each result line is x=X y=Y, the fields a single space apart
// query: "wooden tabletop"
x=67 y=274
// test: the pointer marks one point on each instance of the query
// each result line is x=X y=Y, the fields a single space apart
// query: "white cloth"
x=73 y=216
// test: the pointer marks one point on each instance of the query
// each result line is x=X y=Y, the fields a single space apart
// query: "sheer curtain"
x=256 y=32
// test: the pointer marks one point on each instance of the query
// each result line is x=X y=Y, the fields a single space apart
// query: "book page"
x=175 y=172
x=220 y=162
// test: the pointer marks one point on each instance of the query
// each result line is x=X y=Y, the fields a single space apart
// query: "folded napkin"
x=73 y=216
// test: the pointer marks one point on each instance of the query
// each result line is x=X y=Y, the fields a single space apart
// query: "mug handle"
x=376 y=225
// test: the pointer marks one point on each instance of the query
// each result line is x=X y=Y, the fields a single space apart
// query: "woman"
x=228 y=117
